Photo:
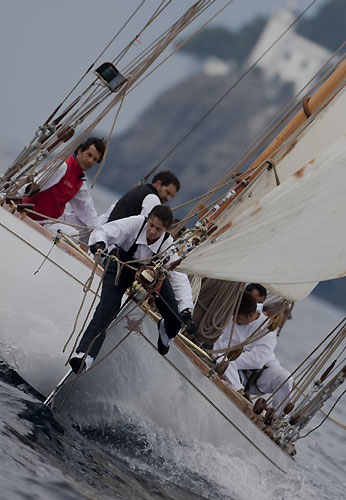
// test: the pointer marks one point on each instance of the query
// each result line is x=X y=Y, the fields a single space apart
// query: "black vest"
x=131 y=202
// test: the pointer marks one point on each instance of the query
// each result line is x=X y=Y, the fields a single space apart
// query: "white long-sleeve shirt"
x=149 y=202
x=82 y=205
x=123 y=232
x=255 y=355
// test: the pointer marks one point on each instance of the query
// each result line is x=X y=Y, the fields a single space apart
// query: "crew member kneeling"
x=136 y=238
x=257 y=370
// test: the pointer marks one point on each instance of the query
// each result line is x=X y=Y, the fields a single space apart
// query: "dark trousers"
x=109 y=306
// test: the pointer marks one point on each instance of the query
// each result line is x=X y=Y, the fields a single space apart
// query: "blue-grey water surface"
x=45 y=456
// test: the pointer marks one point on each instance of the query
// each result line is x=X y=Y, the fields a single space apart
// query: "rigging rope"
x=298 y=389
x=156 y=13
x=52 y=140
x=327 y=416
x=186 y=40
x=95 y=61
x=228 y=91
x=212 y=312
x=86 y=289
x=99 y=170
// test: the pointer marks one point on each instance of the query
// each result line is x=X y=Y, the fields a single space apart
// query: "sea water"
x=46 y=456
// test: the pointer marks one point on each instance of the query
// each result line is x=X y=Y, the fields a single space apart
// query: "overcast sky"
x=46 y=45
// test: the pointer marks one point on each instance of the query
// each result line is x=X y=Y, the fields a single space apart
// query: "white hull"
x=37 y=315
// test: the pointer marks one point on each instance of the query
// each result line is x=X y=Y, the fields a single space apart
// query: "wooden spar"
x=320 y=97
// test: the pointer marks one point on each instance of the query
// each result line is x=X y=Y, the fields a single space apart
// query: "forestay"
x=293 y=235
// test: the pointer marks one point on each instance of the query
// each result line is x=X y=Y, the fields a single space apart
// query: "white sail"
x=292 y=292
x=326 y=128
x=294 y=235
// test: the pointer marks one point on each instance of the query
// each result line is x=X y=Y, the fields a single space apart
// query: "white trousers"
x=270 y=380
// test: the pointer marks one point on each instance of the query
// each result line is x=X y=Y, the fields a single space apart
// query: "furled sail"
x=293 y=235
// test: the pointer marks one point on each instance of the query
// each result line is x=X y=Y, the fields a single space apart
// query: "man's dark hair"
x=256 y=286
x=248 y=304
x=163 y=213
x=93 y=141
x=166 y=178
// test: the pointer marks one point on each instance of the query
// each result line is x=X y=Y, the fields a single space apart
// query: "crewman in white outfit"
x=258 y=355
x=135 y=238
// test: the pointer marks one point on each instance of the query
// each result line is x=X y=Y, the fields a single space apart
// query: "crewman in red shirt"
x=67 y=186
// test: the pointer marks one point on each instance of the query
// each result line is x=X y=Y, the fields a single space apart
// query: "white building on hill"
x=294 y=58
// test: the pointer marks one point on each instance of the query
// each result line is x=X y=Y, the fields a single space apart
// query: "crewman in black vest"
x=142 y=199
x=136 y=237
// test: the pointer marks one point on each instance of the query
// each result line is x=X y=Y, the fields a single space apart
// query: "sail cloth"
x=323 y=130
x=294 y=236
x=292 y=292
